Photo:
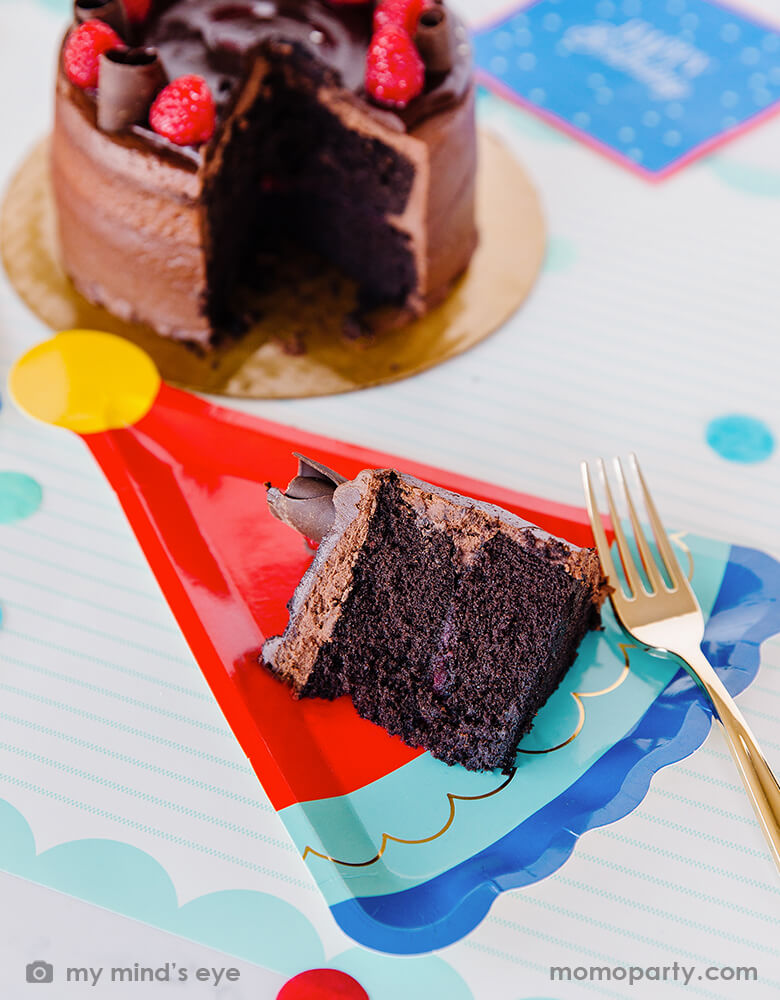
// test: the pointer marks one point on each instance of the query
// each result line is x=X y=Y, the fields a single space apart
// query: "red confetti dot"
x=322 y=984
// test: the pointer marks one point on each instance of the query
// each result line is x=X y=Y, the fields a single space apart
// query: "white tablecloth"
x=657 y=312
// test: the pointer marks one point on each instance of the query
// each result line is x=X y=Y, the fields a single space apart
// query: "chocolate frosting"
x=307 y=503
x=129 y=81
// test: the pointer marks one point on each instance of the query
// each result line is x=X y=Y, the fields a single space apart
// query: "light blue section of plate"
x=412 y=803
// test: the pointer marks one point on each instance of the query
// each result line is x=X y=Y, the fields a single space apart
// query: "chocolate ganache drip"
x=307 y=503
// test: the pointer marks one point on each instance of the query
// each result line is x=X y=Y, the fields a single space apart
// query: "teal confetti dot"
x=762 y=182
x=20 y=496
x=739 y=438
x=561 y=254
x=56 y=6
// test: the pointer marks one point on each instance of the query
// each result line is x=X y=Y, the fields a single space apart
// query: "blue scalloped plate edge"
x=446 y=908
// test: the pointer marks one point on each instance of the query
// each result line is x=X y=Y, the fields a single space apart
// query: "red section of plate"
x=190 y=477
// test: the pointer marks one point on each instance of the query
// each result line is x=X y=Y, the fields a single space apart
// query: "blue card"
x=654 y=83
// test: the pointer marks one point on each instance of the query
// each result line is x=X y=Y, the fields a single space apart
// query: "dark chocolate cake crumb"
x=353 y=328
x=295 y=344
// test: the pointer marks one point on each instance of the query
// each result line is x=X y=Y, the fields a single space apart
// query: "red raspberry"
x=395 y=73
x=402 y=13
x=137 y=10
x=184 y=111
x=83 y=49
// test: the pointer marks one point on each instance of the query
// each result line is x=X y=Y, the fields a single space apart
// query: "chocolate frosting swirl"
x=307 y=503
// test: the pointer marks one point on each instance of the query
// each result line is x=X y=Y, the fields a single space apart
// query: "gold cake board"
x=296 y=345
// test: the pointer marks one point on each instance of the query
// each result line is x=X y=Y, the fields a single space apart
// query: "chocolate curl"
x=308 y=467
x=435 y=39
x=307 y=503
x=110 y=11
x=129 y=81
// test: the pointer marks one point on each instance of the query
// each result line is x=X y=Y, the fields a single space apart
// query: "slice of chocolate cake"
x=448 y=621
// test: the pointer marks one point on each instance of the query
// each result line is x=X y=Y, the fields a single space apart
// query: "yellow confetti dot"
x=85 y=381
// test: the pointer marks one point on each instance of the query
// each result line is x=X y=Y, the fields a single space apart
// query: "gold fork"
x=669 y=618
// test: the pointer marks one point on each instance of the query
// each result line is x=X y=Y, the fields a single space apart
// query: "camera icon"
x=40 y=972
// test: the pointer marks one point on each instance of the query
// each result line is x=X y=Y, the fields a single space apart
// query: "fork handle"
x=757 y=777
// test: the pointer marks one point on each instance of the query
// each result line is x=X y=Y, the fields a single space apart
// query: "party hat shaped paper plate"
x=408 y=852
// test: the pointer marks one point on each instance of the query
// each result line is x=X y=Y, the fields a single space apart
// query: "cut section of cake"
x=448 y=621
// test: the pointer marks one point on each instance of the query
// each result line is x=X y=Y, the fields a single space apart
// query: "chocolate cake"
x=346 y=129
x=448 y=621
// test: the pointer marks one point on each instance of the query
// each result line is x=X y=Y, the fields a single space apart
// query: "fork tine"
x=661 y=538
x=648 y=560
x=602 y=545
x=629 y=566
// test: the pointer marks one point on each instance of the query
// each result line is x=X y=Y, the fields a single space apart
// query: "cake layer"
x=447 y=621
